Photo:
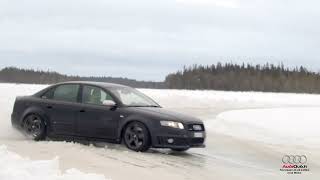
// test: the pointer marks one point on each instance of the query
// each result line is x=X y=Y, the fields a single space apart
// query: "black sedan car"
x=105 y=112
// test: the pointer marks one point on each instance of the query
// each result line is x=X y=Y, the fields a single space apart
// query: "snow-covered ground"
x=248 y=134
x=14 y=167
x=290 y=126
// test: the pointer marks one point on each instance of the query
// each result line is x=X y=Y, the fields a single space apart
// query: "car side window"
x=94 y=95
x=68 y=92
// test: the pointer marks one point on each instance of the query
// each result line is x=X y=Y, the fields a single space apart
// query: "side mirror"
x=109 y=103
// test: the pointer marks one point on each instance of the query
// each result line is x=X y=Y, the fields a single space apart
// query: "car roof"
x=101 y=84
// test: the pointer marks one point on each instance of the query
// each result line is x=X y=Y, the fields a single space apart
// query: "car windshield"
x=133 y=98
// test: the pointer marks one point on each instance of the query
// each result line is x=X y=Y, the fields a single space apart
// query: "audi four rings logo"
x=294 y=159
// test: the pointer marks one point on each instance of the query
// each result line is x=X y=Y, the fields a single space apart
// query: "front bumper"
x=167 y=137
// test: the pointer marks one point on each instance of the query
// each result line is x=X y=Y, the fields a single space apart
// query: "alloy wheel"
x=136 y=137
x=34 y=126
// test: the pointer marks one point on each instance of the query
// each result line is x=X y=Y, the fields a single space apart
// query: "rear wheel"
x=136 y=137
x=179 y=149
x=35 y=127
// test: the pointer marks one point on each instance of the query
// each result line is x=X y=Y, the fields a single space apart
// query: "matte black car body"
x=101 y=123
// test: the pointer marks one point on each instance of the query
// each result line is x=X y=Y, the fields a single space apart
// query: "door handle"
x=49 y=107
x=82 y=110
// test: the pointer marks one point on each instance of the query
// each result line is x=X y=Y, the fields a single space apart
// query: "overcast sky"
x=146 y=39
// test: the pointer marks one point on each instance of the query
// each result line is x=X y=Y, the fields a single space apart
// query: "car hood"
x=164 y=114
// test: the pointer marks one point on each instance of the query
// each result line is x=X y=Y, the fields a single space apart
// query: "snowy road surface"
x=248 y=134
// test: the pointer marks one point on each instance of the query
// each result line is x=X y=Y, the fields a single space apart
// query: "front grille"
x=195 y=127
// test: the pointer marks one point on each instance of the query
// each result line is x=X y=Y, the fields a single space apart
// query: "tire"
x=179 y=149
x=136 y=137
x=35 y=127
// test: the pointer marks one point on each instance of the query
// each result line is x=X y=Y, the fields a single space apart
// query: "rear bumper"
x=14 y=120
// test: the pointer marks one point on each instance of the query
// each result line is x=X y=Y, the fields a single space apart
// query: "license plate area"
x=198 y=135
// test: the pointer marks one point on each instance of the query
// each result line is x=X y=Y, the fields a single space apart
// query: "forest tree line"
x=228 y=76
x=245 y=77
x=30 y=76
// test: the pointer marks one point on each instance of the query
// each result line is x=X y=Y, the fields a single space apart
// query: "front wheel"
x=35 y=127
x=136 y=137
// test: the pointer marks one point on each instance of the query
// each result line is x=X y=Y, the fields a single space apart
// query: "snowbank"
x=14 y=167
x=209 y=98
x=288 y=126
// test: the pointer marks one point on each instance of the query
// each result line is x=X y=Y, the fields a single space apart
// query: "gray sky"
x=146 y=39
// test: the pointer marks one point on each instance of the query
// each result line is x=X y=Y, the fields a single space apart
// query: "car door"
x=95 y=119
x=61 y=106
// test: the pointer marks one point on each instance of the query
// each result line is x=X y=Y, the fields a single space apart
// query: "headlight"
x=172 y=124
